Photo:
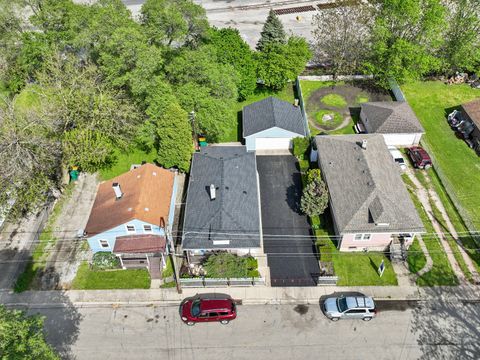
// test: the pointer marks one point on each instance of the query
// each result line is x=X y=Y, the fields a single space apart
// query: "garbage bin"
x=74 y=174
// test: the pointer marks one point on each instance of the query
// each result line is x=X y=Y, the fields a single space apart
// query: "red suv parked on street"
x=419 y=157
x=208 y=310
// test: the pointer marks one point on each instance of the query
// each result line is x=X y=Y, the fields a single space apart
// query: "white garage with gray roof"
x=271 y=124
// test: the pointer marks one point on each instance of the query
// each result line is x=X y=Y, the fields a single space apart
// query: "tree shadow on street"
x=448 y=328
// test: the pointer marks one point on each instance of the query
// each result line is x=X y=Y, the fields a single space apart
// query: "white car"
x=397 y=157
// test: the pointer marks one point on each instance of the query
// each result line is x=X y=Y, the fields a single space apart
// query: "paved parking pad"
x=287 y=237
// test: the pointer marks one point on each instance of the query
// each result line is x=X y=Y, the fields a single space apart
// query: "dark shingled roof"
x=472 y=109
x=390 y=117
x=272 y=112
x=234 y=215
x=139 y=244
x=367 y=193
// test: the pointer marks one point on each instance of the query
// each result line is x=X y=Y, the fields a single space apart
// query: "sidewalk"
x=248 y=295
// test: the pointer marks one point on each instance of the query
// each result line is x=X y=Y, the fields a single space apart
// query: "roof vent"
x=364 y=144
x=117 y=190
x=154 y=173
x=147 y=209
x=213 y=194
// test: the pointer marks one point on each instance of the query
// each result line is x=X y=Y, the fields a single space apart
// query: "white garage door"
x=400 y=139
x=273 y=143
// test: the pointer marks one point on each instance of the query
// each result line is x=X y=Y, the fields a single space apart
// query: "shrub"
x=300 y=146
x=314 y=198
x=105 y=260
x=227 y=265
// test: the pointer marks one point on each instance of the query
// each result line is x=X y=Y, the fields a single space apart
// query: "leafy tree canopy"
x=315 y=194
x=21 y=337
x=405 y=37
x=174 y=21
x=231 y=49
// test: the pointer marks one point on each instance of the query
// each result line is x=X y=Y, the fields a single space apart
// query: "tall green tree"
x=406 y=36
x=30 y=154
x=342 y=36
x=206 y=87
x=174 y=21
x=278 y=64
x=231 y=49
x=22 y=337
x=461 y=50
x=174 y=133
x=100 y=117
x=315 y=194
x=272 y=32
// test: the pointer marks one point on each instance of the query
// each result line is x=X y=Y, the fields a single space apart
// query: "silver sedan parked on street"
x=349 y=307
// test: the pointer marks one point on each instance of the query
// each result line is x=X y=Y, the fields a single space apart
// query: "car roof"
x=359 y=302
x=395 y=153
x=215 y=304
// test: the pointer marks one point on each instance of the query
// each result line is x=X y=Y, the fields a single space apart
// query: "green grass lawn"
x=362 y=98
x=461 y=166
x=416 y=258
x=360 y=269
x=235 y=134
x=124 y=160
x=87 y=279
x=334 y=100
x=328 y=124
x=308 y=86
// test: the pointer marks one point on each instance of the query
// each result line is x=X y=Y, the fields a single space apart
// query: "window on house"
x=104 y=244
x=131 y=228
x=147 y=228
x=364 y=237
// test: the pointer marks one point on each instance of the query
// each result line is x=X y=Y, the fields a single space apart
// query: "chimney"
x=117 y=190
x=296 y=102
x=212 y=192
x=364 y=144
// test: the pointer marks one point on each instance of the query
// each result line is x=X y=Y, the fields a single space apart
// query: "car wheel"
x=367 y=318
x=224 y=322
x=335 y=319
x=190 y=323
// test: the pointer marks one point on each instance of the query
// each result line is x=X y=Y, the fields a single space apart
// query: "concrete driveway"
x=286 y=233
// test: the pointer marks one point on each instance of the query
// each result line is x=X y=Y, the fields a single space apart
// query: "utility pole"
x=171 y=254
x=194 y=130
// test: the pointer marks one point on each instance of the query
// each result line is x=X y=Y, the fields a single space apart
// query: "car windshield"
x=195 y=308
x=342 y=304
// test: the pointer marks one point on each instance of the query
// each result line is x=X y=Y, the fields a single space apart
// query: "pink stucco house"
x=370 y=206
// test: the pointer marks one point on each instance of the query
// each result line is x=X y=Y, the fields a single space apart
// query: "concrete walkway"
x=451 y=229
x=248 y=295
x=423 y=197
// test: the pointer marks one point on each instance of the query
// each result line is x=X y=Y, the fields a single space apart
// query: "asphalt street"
x=402 y=330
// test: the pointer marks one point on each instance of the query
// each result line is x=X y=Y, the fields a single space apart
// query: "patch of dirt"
x=69 y=250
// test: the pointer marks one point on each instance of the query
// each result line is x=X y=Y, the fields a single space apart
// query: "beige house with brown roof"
x=130 y=216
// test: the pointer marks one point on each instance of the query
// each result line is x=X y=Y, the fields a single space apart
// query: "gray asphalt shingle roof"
x=367 y=193
x=272 y=112
x=234 y=215
x=390 y=117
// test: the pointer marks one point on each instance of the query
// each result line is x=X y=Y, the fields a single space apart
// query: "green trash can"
x=73 y=175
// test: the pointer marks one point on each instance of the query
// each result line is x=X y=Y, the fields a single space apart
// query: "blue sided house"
x=271 y=124
x=131 y=214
